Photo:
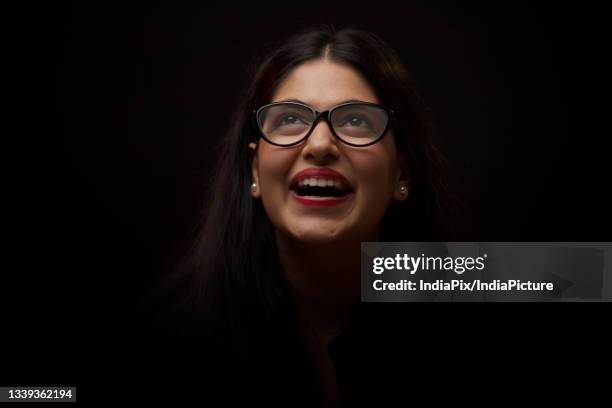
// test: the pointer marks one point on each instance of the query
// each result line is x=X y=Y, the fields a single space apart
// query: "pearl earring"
x=254 y=187
x=403 y=189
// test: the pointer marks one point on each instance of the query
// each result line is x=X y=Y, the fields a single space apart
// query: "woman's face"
x=372 y=173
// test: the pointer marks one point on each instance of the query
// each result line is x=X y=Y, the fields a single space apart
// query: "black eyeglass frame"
x=324 y=115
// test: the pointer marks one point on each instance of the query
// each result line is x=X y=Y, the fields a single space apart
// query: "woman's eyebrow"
x=304 y=103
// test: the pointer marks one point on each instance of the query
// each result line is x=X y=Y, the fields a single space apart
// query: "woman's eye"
x=289 y=120
x=356 y=121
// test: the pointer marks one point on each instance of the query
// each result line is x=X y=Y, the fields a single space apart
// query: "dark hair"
x=231 y=272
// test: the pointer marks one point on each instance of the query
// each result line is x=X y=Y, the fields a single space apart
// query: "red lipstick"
x=320 y=201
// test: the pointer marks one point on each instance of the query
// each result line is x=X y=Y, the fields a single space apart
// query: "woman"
x=331 y=146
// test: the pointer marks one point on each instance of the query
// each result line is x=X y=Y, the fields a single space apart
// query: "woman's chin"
x=320 y=233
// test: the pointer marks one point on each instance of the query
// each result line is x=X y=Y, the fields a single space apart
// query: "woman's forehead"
x=322 y=84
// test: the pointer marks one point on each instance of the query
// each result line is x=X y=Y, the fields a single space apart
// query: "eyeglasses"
x=354 y=123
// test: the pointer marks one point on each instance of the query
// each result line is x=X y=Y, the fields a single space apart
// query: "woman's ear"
x=255 y=190
x=402 y=180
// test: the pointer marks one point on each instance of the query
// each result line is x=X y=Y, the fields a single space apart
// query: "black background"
x=119 y=105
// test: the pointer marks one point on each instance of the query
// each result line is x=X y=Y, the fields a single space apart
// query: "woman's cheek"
x=375 y=184
x=274 y=192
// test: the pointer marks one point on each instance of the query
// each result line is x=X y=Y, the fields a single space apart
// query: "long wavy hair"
x=230 y=277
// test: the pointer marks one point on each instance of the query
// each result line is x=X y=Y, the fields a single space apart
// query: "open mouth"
x=309 y=191
x=320 y=188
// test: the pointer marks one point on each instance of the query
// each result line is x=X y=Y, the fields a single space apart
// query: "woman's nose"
x=321 y=143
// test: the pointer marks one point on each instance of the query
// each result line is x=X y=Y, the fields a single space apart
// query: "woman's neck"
x=325 y=282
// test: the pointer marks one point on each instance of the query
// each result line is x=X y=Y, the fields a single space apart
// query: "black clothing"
x=276 y=371
x=389 y=355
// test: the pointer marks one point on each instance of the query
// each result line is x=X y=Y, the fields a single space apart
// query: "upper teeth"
x=320 y=182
